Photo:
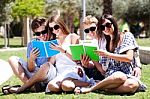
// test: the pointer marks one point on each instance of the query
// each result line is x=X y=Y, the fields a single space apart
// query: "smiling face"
x=41 y=33
x=90 y=30
x=107 y=27
x=55 y=28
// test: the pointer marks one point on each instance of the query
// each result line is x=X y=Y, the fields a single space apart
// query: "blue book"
x=44 y=48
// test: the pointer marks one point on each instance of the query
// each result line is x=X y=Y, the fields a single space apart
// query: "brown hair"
x=59 y=22
x=37 y=22
x=116 y=34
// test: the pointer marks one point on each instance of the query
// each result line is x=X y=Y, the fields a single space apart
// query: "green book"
x=78 y=50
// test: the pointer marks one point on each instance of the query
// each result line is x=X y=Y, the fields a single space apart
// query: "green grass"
x=16 y=42
x=143 y=42
x=13 y=42
x=100 y=95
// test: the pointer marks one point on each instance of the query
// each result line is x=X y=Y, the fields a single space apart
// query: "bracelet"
x=65 y=51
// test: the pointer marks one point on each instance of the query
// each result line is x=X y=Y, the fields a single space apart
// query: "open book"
x=77 y=50
x=44 y=48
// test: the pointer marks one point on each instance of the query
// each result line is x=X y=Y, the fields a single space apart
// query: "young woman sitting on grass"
x=120 y=58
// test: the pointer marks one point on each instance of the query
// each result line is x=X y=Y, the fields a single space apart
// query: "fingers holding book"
x=35 y=53
x=101 y=52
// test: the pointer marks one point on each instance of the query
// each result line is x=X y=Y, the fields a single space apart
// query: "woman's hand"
x=34 y=54
x=56 y=47
x=102 y=52
x=137 y=72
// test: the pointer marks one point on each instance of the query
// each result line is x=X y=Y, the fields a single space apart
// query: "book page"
x=40 y=46
x=51 y=52
x=90 y=52
x=77 y=50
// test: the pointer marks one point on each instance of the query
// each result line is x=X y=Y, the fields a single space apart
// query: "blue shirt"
x=38 y=61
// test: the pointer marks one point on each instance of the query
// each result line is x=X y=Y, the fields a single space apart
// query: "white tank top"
x=62 y=61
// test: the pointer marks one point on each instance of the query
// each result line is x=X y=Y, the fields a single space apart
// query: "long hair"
x=61 y=24
x=116 y=36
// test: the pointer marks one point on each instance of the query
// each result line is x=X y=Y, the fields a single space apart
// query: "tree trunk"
x=107 y=7
x=26 y=31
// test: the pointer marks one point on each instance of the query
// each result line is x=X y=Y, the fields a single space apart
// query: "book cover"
x=44 y=48
x=78 y=50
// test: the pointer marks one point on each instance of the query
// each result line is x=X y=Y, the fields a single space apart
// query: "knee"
x=53 y=87
x=119 y=77
x=67 y=85
x=12 y=59
x=131 y=85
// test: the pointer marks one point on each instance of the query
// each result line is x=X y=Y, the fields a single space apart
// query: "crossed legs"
x=117 y=83
x=40 y=75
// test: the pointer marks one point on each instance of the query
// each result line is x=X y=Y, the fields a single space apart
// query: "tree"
x=23 y=9
x=107 y=7
x=5 y=10
x=69 y=10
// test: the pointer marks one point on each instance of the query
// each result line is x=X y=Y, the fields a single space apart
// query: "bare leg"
x=17 y=69
x=130 y=86
x=54 y=86
x=40 y=75
x=70 y=83
x=113 y=81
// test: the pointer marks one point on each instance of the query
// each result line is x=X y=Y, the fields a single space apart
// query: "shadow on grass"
x=110 y=93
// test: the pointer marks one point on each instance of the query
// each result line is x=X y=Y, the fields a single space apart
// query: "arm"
x=127 y=57
x=137 y=66
x=31 y=60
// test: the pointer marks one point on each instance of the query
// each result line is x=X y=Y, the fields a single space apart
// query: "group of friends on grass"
x=118 y=71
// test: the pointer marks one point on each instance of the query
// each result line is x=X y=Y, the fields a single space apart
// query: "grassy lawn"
x=99 y=95
x=13 y=42
x=16 y=42
x=143 y=42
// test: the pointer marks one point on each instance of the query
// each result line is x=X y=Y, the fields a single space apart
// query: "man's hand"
x=34 y=54
x=85 y=60
x=137 y=72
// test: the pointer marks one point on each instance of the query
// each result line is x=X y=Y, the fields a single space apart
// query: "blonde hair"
x=89 y=20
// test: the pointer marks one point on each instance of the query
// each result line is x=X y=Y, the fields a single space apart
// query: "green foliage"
x=31 y=8
x=94 y=7
x=5 y=6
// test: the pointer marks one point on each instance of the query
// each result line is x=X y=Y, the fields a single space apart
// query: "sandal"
x=83 y=90
x=6 y=89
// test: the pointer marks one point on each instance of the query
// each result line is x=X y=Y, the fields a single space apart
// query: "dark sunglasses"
x=42 y=32
x=108 y=25
x=89 y=29
x=55 y=27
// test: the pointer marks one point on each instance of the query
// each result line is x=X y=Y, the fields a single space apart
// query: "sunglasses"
x=42 y=32
x=89 y=29
x=56 y=27
x=108 y=25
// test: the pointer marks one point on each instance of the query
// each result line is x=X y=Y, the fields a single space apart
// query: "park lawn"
x=98 y=95
x=16 y=42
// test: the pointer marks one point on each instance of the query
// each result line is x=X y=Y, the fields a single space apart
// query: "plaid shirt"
x=125 y=67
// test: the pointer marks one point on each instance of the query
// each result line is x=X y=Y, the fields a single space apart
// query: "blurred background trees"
x=132 y=11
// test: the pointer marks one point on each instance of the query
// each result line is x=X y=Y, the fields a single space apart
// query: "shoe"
x=83 y=90
x=142 y=88
x=6 y=89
